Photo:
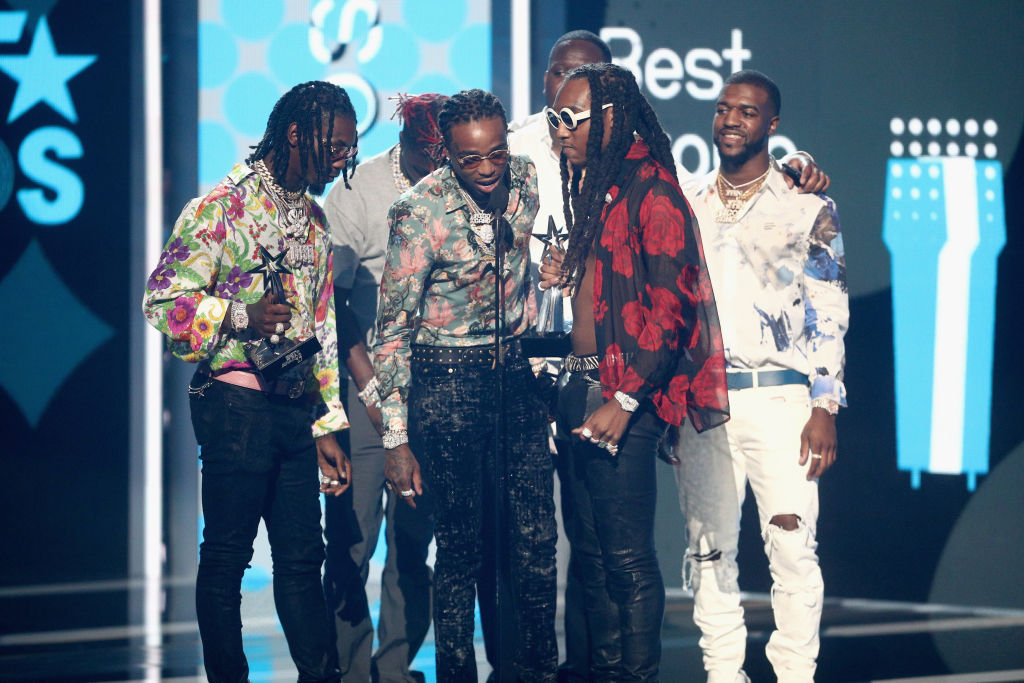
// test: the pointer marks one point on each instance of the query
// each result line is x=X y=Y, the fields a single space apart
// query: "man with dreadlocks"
x=646 y=351
x=259 y=439
x=359 y=227
x=438 y=370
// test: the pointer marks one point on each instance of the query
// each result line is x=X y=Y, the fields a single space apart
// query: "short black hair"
x=757 y=79
x=466 y=106
x=312 y=106
x=586 y=36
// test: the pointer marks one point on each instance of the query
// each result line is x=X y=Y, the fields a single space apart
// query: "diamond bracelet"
x=393 y=438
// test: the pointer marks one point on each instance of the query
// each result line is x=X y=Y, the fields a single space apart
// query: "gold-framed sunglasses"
x=498 y=156
x=341 y=152
x=568 y=117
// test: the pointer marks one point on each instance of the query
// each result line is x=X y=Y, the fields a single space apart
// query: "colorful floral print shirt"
x=208 y=263
x=654 y=309
x=438 y=285
x=779 y=272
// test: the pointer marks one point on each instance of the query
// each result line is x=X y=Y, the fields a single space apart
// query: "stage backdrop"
x=65 y=206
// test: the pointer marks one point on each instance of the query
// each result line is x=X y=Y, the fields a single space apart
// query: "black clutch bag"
x=273 y=359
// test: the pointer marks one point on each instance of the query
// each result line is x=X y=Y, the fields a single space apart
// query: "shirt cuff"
x=334 y=420
x=831 y=388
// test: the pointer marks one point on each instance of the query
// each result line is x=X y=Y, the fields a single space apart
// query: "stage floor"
x=861 y=641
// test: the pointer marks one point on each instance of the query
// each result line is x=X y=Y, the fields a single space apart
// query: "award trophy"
x=273 y=359
x=548 y=339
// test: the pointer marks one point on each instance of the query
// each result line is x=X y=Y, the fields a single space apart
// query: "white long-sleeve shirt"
x=779 y=276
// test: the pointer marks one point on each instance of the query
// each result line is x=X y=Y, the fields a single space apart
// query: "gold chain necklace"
x=735 y=197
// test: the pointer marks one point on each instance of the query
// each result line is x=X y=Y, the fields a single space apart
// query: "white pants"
x=760 y=444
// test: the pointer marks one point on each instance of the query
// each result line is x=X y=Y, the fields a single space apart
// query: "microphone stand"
x=497 y=203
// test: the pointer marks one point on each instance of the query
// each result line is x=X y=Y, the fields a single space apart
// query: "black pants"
x=352 y=524
x=452 y=420
x=259 y=461
x=613 y=538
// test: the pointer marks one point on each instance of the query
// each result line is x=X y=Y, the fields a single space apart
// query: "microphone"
x=497 y=203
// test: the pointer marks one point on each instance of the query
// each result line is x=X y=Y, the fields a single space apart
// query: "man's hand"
x=334 y=466
x=402 y=474
x=812 y=178
x=266 y=314
x=606 y=424
x=818 y=440
x=551 y=269
x=376 y=419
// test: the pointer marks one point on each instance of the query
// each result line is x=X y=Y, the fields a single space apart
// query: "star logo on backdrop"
x=43 y=75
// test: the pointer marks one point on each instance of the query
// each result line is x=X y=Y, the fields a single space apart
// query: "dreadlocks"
x=466 y=106
x=312 y=106
x=630 y=113
x=418 y=114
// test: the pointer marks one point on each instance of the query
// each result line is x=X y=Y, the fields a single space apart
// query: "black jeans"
x=259 y=460
x=613 y=539
x=452 y=419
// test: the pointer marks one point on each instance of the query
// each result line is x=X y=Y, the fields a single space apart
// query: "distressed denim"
x=259 y=461
x=453 y=411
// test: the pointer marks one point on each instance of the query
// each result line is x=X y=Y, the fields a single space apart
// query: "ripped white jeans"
x=760 y=444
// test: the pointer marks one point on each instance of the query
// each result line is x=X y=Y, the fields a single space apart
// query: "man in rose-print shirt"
x=646 y=351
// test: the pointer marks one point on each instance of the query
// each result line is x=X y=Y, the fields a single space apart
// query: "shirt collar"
x=638 y=149
x=240 y=172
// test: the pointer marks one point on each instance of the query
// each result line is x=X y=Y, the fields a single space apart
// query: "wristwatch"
x=239 y=316
x=830 y=406
x=628 y=403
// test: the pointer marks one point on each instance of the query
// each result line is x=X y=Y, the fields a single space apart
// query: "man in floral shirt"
x=646 y=351
x=259 y=438
x=438 y=373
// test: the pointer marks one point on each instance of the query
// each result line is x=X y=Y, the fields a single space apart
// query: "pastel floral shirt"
x=654 y=309
x=438 y=287
x=207 y=264
x=779 y=271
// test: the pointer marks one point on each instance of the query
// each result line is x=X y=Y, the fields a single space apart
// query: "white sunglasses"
x=567 y=116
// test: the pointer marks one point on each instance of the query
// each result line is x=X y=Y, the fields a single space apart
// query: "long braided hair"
x=312 y=106
x=631 y=112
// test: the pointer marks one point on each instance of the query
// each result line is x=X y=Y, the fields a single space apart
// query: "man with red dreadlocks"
x=359 y=226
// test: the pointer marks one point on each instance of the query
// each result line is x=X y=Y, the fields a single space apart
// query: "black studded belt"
x=463 y=355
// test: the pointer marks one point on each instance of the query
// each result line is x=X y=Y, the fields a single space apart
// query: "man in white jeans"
x=775 y=258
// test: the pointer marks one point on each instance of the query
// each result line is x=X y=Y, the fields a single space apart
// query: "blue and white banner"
x=944 y=226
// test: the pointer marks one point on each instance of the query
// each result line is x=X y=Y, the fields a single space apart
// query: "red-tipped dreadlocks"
x=418 y=114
